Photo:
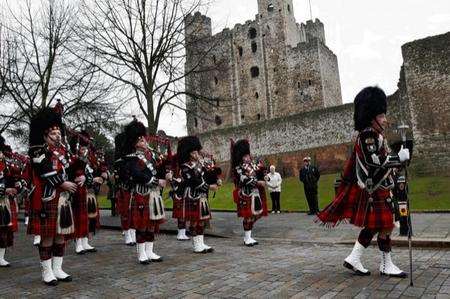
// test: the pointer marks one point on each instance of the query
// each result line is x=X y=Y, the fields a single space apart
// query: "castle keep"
x=267 y=68
x=277 y=84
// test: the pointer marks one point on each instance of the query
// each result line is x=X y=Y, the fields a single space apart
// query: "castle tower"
x=198 y=33
x=278 y=16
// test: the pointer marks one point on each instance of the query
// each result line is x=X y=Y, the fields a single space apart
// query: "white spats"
x=388 y=268
x=48 y=277
x=197 y=244
x=86 y=246
x=36 y=240
x=142 y=255
x=79 y=246
x=248 y=240
x=60 y=275
x=206 y=247
x=150 y=253
x=181 y=236
x=127 y=237
x=3 y=262
x=133 y=235
x=353 y=261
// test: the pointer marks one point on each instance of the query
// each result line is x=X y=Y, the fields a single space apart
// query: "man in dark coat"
x=309 y=176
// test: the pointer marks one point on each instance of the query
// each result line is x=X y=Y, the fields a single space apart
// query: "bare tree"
x=141 y=43
x=40 y=66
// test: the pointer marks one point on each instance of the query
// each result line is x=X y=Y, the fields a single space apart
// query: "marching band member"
x=364 y=196
x=122 y=191
x=196 y=205
x=146 y=204
x=50 y=198
x=9 y=180
x=249 y=193
x=84 y=203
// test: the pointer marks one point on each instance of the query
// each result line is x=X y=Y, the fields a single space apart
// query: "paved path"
x=429 y=229
x=273 y=269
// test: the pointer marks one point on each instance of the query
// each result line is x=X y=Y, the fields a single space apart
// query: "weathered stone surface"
x=266 y=68
x=293 y=107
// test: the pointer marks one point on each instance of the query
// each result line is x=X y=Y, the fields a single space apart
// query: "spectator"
x=310 y=175
x=274 y=185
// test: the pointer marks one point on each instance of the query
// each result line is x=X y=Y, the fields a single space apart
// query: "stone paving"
x=427 y=227
x=273 y=269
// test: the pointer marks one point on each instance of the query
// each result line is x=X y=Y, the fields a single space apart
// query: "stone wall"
x=427 y=78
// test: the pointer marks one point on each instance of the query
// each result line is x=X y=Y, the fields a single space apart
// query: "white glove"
x=403 y=154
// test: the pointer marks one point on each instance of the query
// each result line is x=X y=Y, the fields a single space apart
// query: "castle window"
x=252 y=33
x=299 y=85
x=258 y=116
x=195 y=122
x=217 y=103
x=309 y=82
x=216 y=80
x=254 y=71
x=241 y=51
x=289 y=8
x=214 y=59
x=242 y=116
x=270 y=7
x=254 y=47
x=218 y=120
x=256 y=95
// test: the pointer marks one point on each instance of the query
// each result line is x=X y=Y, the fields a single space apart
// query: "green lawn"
x=426 y=193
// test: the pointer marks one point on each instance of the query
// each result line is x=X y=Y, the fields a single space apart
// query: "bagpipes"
x=256 y=168
x=159 y=149
x=212 y=172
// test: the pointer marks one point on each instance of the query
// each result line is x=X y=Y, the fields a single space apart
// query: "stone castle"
x=275 y=82
x=267 y=68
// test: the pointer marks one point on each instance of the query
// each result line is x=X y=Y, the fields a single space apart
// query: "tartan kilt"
x=193 y=211
x=123 y=207
x=14 y=214
x=350 y=204
x=178 y=210
x=244 y=204
x=378 y=216
x=34 y=223
x=6 y=237
x=140 y=214
x=94 y=222
x=48 y=225
x=80 y=213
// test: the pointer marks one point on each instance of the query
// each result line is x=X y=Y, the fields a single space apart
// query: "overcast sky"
x=366 y=36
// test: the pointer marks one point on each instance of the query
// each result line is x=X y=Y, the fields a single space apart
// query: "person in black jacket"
x=310 y=175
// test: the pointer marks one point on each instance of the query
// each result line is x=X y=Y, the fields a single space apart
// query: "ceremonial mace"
x=402 y=129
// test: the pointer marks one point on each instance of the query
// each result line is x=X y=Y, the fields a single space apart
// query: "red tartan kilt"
x=6 y=237
x=140 y=214
x=350 y=204
x=178 y=208
x=47 y=226
x=34 y=224
x=13 y=206
x=244 y=205
x=80 y=213
x=379 y=215
x=192 y=210
x=123 y=202
x=123 y=207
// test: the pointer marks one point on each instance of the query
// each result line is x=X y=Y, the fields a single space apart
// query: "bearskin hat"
x=132 y=131
x=369 y=102
x=2 y=143
x=186 y=146
x=44 y=119
x=238 y=151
